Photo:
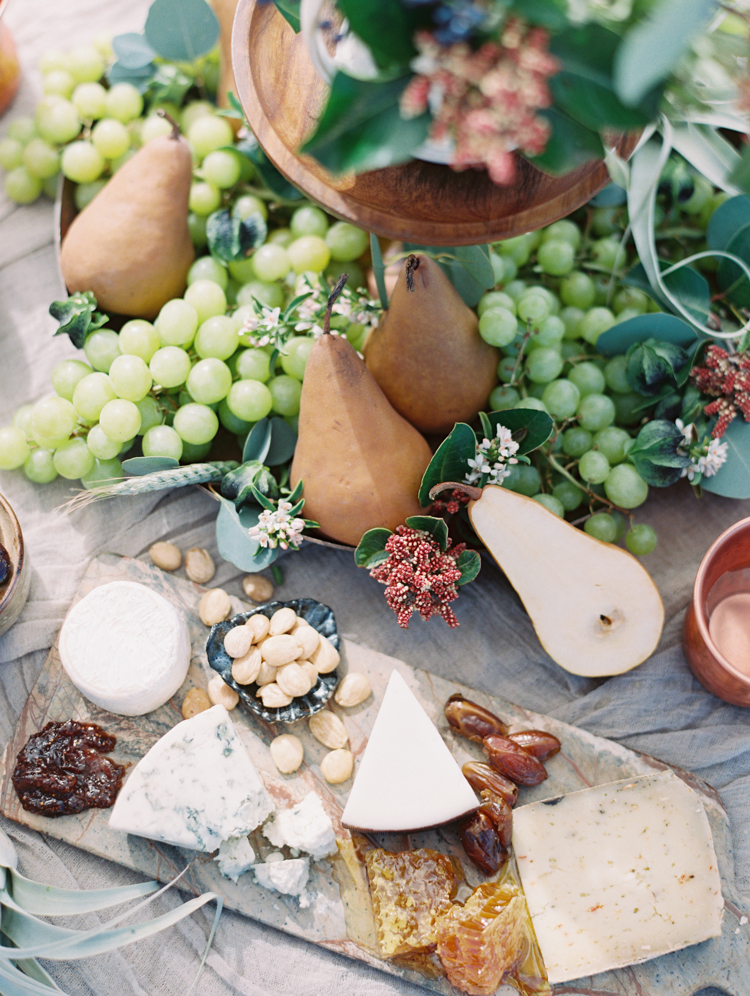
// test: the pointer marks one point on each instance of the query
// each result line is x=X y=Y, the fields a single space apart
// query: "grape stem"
x=519 y=357
x=331 y=301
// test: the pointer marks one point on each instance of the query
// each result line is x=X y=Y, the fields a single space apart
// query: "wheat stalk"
x=177 y=477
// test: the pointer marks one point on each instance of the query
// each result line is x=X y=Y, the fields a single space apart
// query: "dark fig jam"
x=62 y=770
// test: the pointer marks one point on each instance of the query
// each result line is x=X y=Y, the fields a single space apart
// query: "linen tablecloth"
x=659 y=708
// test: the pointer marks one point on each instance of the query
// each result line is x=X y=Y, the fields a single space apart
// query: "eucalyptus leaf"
x=467 y=267
x=654 y=325
x=283 y=442
x=181 y=30
x=530 y=428
x=650 y=49
x=169 y=84
x=469 y=563
x=449 y=462
x=378 y=269
x=77 y=317
x=655 y=453
x=727 y=220
x=435 y=527
x=732 y=480
x=140 y=466
x=233 y=542
x=231 y=238
x=371 y=548
x=258 y=442
x=139 y=78
x=132 y=50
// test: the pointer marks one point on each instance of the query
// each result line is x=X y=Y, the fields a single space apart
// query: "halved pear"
x=595 y=609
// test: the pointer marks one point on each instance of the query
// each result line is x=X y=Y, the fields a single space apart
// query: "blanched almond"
x=308 y=638
x=282 y=649
x=245 y=669
x=353 y=689
x=237 y=641
x=287 y=753
x=266 y=674
x=292 y=679
x=273 y=697
x=326 y=727
x=221 y=694
x=257 y=588
x=214 y=607
x=311 y=671
x=282 y=621
x=258 y=626
x=337 y=766
x=199 y=565
x=325 y=657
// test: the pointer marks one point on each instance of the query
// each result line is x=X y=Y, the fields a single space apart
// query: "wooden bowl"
x=726 y=679
x=283 y=96
x=14 y=591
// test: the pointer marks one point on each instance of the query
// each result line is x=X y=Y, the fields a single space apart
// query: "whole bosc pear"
x=427 y=354
x=131 y=245
x=360 y=462
x=595 y=609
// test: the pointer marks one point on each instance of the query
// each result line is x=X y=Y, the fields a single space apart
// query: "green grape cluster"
x=166 y=388
x=557 y=291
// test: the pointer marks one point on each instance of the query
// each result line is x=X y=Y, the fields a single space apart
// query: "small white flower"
x=715 y=457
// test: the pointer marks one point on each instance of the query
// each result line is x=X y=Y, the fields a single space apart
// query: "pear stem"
x=468 y=489
x=168 y=117
x=331 y=301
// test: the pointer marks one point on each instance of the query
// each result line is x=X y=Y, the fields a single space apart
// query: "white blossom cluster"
x=493 y=457
x=278 y=528
x=707 y=457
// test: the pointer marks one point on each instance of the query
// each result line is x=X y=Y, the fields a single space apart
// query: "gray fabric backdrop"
x=659 y=708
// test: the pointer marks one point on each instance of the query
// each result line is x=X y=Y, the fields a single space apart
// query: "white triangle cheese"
x=407 y=779
x=195 y=788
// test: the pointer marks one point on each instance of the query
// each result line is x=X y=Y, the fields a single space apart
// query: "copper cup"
x=14 y=591
x=730 y=552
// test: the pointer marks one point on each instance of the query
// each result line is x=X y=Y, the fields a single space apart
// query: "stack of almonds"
x=282 y=655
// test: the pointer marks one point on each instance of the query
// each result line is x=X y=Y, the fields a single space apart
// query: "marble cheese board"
x=338 y=916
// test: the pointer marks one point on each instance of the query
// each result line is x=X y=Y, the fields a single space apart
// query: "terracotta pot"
x=730 y=552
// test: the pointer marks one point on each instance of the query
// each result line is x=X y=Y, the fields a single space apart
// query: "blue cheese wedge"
x=408 y=779
x=618 y=874
x=125 y=647
x=195 y=788
x=236 y=856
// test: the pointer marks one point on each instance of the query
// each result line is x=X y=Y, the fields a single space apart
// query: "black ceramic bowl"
x=320 y=617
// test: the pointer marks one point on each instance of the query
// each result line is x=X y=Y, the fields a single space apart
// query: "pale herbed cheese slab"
x=407 y=779
x=617 y=874
x=195 y=788
x=125 y=647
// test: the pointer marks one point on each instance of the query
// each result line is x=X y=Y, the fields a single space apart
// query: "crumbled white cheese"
x=305 y=827
x=235 y=857
x=288 y=876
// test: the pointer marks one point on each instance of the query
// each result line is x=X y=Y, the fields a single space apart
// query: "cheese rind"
x=125 y=647
x=195 y=788
x=618 y=874
x=407 y=779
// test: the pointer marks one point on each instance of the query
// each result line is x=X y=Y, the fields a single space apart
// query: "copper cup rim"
x=15 y=580
x=700 y=594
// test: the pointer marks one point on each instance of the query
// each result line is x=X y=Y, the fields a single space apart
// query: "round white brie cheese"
x=125 y=647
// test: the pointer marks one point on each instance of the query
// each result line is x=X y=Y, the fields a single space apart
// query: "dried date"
x=472 y=720
x=501 y=815
x=537 y=742
x=512 y=761
x=481 y=776
x=482 y=844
